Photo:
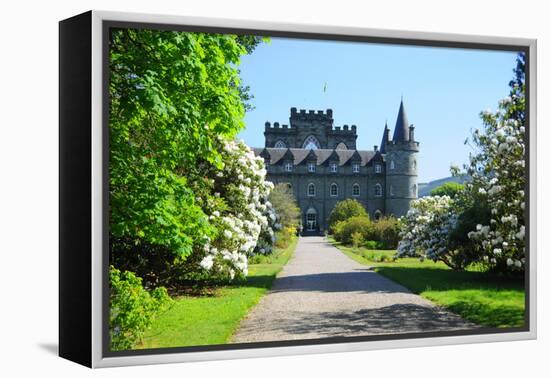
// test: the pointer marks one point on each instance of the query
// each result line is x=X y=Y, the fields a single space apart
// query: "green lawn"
x=209 y=320
x=483 y=298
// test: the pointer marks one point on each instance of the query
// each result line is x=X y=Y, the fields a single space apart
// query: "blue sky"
x=443 y=91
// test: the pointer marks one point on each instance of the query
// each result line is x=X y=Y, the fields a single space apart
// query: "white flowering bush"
x=235 y=197
x=426 y=231
x=498 y=181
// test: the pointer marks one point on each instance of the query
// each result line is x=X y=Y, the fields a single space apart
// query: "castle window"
x=414 y=164
x=288 y=167
x=391 y=190
x=392 y=164
x=377 y=168
x=311 y=167
x=280 y=144
x=334 y=167
x=414 y=190
x=311 y=143
x=355 y=190
x=355 y=168
x=341 y=146
x=311 y=190
x=333 y=190
x=378 y=190
x=377 y=215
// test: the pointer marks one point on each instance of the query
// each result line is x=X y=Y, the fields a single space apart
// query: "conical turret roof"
x=401 y=132
x=384 y=139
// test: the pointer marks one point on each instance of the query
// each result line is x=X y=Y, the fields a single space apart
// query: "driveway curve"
x=323 y=293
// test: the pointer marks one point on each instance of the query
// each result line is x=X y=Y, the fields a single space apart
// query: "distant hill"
x=425 y=188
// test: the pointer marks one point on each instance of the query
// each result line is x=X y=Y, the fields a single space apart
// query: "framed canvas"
x=395 y=208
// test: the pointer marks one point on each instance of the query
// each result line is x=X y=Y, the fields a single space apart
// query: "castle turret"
x=385 y=139
x=401 y=166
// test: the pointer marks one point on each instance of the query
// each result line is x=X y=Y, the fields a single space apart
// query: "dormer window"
x=355 y=168
x=377 y=168
x=311 y=167
x=333 y=167
x=288 y=167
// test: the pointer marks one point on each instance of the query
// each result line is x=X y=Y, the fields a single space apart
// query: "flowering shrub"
x=132 y=308
x=426 y=230
x=499 y=178
x=236 y=197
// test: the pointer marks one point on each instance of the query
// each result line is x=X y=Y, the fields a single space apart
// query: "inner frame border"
x=102 y=22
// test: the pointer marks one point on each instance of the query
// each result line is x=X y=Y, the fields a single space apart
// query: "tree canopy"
x=450 y=189
x=171 y=93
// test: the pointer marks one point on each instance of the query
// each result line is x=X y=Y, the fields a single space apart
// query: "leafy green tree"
x=171 y=94
x=283 y=201
x=450 y=189
x=344 y=210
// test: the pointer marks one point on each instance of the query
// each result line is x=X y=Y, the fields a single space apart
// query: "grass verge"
x=483 y=298
x=211 y=320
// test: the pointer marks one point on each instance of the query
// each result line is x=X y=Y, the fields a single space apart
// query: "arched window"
x=311 y=190
x=392 y=164
x=377 y=215
x=280 y=144
x=355 y=190
x=341 y=146
x=378 y=190
x=333 y=190
x=311 y=143
x=391 y=190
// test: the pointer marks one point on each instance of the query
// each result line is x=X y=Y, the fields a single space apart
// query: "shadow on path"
x=397 y=318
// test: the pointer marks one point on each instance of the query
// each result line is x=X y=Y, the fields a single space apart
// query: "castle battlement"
x=277 y=126
x=310 y=115
x=344 y=130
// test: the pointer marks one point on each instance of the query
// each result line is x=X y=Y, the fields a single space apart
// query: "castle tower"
x=401 y=166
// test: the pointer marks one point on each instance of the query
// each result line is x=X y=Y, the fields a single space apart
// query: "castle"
x=322 y=165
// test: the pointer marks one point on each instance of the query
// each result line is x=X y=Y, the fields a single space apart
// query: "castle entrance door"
x=311 y=220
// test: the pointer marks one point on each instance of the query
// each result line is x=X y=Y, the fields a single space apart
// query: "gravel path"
x=323 y=293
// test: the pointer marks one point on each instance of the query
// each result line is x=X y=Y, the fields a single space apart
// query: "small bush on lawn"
x=357 y=239
x=372 y=244
x=380 y=234
x=132 y=308
x=386 y=232
x=343 y=211
x=360 y=224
